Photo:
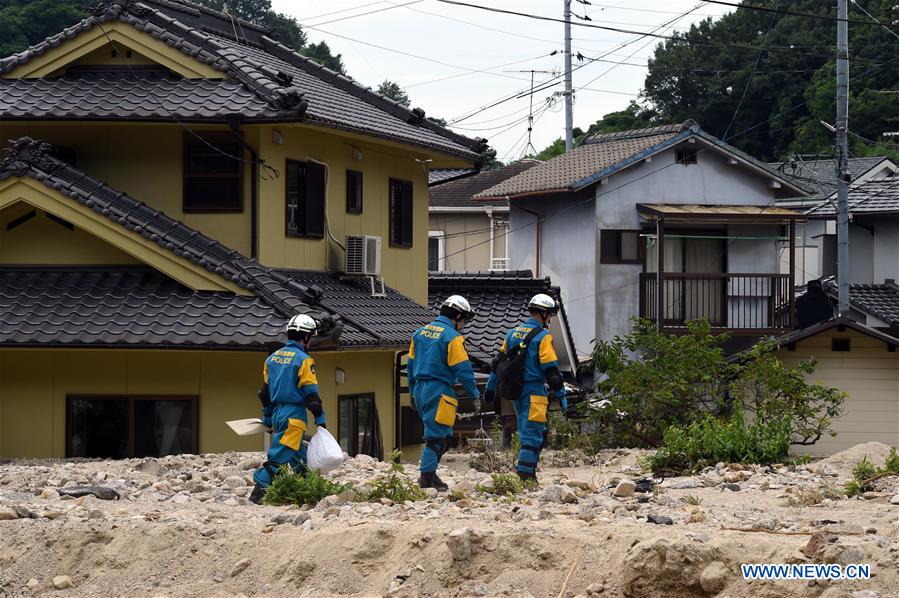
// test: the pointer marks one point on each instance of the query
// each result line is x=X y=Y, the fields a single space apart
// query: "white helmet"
x=301 y=323
x=543 y=302
x=460 y=304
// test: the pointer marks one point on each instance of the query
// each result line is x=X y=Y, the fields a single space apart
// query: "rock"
x=557 y=493
x=8 y=515
x=735 y=476
x=685 y=484
x=865 y=594
x=61 y=582
x=149 y=468
x=249 y=464
x=644 y=485
x=714 y=577
x=731 y=487
x=233 y=482
x=301 y=518
x=430 y=492
x=624 y=489
x=33 y=584
x=282 y=518
x=816 y=544
x=659 y=567
x=659 y=520
x=895 y=500
x=843 y=554
x=23 y=512
x=101 y=492
x=459 y=543
x=595 y=589
x=239 y=567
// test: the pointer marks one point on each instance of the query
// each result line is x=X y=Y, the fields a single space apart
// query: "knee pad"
x=438 y=445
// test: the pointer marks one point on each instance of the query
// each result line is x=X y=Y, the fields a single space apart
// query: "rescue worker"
x=541 y=370
x=437 y=359
x=289 y=388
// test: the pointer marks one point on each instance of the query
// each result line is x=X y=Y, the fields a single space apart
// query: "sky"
x=431 y=48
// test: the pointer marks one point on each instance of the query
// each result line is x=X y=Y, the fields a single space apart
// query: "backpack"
x=509 y=368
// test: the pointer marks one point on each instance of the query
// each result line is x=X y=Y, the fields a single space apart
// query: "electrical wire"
x=656 y=35
x=808 y=15
x=876 y=20
x=490 y=68
x=362 y=14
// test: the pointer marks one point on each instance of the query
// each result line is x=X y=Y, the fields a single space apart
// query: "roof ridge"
x=198 y=9
x=414 y=116
x=638 y=133
x=30 y=157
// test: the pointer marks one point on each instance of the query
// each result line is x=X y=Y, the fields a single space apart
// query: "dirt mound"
x=842 y=463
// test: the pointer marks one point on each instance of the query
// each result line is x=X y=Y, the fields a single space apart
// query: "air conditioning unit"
x=363 y=255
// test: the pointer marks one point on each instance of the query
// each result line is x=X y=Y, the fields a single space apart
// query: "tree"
x=392 y=90
x=321 y=53
x=24 y=23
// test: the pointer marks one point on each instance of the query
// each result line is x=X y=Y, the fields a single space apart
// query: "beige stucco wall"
x=34 y=384
x=868 y=373
x=467 y=239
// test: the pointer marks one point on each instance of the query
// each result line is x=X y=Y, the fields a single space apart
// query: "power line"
x=808 y=15
x=362 y=14
x=490 y=68
x=656 y=35
x=887 y=29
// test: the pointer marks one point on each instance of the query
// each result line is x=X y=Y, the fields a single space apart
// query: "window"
x=685 y=156
x=400 y=213
x=828 y=245
x=413 y=430
x=840 y=344
x=436 y=251
x=305 y=199
x=358 y=428
x=353 y=192
x=212 y=173
x=620 y=247
x=116 y=427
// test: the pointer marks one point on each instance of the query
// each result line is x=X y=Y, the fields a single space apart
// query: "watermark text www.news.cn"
x=805 y=571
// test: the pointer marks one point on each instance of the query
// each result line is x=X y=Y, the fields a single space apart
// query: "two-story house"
x=177 y=188
x=816 y=242
x=465 y=234
x=667 y=223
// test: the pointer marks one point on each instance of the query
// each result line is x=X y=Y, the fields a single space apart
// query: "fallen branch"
x=788 y=533
x=567 y=577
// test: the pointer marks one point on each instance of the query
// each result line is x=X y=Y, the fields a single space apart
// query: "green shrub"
x=395 y=487
x=710 y=440
x=289 y=488
x=862 y=473
x=891 y=465
x=505 y=484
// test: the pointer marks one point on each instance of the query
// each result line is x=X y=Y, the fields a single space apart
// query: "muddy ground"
x=182 y=527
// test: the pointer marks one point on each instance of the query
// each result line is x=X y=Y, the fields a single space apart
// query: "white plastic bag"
x=323 y=454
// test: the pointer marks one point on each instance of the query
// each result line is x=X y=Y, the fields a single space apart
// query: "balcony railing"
x=499 y=264
x=738 y=303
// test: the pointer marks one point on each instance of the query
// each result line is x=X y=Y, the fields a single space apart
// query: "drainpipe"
x=537 y=215
x=490 y=216
x=234 y=125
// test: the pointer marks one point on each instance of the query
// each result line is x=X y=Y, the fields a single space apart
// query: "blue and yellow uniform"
x=437 y=358
x=289 y=374
x=541 y=367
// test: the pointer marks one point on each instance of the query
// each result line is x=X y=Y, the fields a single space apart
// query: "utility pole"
x=569 y=118
x=842 y=169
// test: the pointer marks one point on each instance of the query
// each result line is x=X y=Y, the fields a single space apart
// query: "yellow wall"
x=34 y=384
x=404 y=269
x=43 y=241
x=868 y=373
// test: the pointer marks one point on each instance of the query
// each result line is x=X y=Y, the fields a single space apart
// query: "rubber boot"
x=527 y=477
x=257 y=494
x=430 y=480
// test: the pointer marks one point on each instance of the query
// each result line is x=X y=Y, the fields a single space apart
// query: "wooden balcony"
x=733 y=303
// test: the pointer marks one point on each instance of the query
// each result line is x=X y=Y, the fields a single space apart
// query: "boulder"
x=61 y=582
x=101 y=492
x=624 y=489
x=714 y=577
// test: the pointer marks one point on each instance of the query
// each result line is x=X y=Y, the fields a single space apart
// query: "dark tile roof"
x=121 y=307
x=461 y=192
x=500 y=301
x=294 y=86
x=878 y=300
x=604 y=154
x=817 y=175
x=283 y=293
x=879 y=196
x=443 y=175
x=152 y=95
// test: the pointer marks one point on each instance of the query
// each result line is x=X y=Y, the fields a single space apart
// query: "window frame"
x=357 y=178
x=406 y=227
x=302 y=200
x=441 y=249
x=132 y=399
x=353 y=438
x=216 y=139
x=686 y=155
x=603 y=259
